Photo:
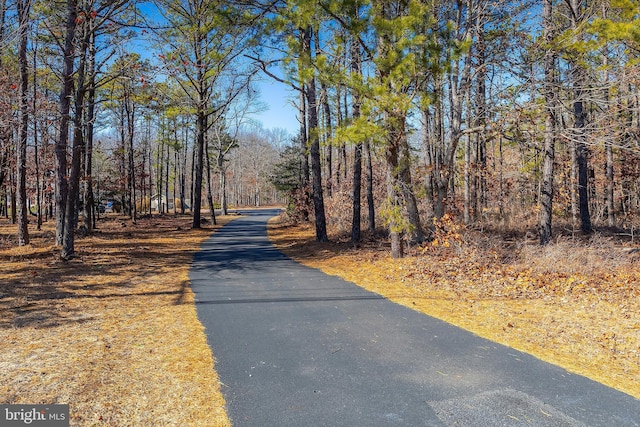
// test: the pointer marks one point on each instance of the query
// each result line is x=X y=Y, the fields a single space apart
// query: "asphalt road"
x=295 y=347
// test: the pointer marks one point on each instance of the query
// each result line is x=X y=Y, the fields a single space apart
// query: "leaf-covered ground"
x=574 y=303
x=113 y=333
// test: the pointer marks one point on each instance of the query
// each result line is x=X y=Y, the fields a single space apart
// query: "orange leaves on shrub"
x=445 y=233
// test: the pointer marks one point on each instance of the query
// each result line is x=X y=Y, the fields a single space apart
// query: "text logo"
x=34 y=415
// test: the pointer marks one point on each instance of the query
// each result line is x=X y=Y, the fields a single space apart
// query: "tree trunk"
x=440 y=197
x=64 y=107
x=167 y=167
x=357 y=154
x=125 y=180
x=175 y=182
x=3 y=22
x=89 y=202
x=36 y=143
x=580 y=137
x=417 y=233
x=466 y=214
x=13 y=200
x=314 y=148
x=393 y=199
x=370 y=199
x=304 y=153
x=68 y=241
x=224 y=202
x=327 y=136
x=428 y=149
x=356 y=195
x=339 y=148
x=197 y=188
x=149 y=164
x=23 y=7
x=131 y=118
x=479 y=168
x=4 y=131
x=304 y=140
x=501 y=178
x=583 y=169
x=212 y=206
x=201 y=129
x=611 y=219
x=183 y=167
x=176 y=160
x=160 y=162
x=546 y=198
x=193 y=172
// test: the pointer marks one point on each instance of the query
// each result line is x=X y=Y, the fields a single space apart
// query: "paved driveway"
x=295 y=347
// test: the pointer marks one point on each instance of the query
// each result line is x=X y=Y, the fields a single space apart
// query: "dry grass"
x=573 y=304
x=114 y=333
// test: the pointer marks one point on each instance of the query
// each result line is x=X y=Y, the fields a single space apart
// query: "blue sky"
x=280 y=113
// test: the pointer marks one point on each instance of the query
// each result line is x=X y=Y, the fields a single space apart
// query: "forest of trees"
x=411 y=112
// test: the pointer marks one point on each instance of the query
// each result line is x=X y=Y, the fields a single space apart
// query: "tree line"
x=129 y=103
x=473 y=108
x=409 y=111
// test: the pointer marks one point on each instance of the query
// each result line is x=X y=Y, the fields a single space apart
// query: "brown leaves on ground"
x=114 y=332
x=574 y=304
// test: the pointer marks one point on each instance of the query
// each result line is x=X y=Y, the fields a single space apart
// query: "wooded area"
x=412 y=112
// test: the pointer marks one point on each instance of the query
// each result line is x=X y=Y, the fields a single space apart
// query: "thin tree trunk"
x=36 y=143
x=304 y=148
x=327 y=135
x=175 y=181
x=193 y=171
x=89 y=202
x=132 y=169
x=68 y=241
x=546 y=198
x=480 y=162
x=167 y=168
x=64 y=107
x=314 y=148
x=13 y=199
x=417 y=233
x=125 y=181
x=149 y=164
x=183 y=166
x=212 y=206
x=3 y=22
x=304 y=153
x=580 y=137
x=501 y=178
x=428 y=148
x=339 y=118
x=3 y=129
x=201 y=129
x=23 y=6
x=160 y=162
x=357 y=190
x=583 y=170
x=471 y=149
x=357 y=153
x=611 y=219
x=224 y=203
x=370 y=199
x=393 y=198
x=467 y=181
x=176 y=159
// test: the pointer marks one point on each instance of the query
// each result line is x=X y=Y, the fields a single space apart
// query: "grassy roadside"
x=576 y=306
x=114 y=333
